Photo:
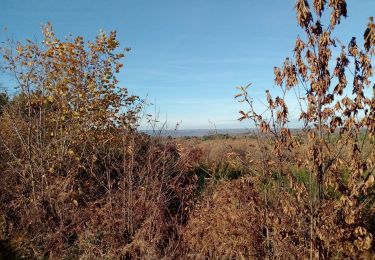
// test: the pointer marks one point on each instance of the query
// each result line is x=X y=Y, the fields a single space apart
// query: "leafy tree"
x=338 y=103
x=73 y=82
x=68 y=103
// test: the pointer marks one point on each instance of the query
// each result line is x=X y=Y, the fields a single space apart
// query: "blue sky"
x=187 y=56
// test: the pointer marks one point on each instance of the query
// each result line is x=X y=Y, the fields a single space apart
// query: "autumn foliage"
x=336 y=147
x=79 y=180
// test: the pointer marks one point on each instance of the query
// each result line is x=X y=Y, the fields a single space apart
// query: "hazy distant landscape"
x=198 y=132
x=280 y=168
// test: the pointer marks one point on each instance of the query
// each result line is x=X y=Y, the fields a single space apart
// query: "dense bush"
x=78 y=179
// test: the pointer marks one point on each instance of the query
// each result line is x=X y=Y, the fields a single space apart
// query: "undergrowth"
x=79 y=181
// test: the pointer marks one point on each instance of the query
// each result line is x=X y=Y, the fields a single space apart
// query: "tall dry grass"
x=79 y=180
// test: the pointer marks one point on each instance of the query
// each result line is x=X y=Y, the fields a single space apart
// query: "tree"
x=331 y=109
x=68 y=102
x=79 y=180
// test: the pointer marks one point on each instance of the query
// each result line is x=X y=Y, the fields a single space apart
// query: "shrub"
x=334 y=126
x=79 y=180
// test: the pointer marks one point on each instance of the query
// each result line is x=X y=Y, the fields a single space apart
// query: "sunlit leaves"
x=369 y=35
x=338 y=10
x=321 y=80
x=319 y=6
x=304 y=16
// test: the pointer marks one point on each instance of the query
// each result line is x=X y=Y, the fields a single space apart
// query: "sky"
x=187 y=57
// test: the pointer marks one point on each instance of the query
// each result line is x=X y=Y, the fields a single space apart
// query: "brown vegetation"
x=79 y=180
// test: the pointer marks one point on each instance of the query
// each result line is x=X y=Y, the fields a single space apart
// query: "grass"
x=225 y=201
